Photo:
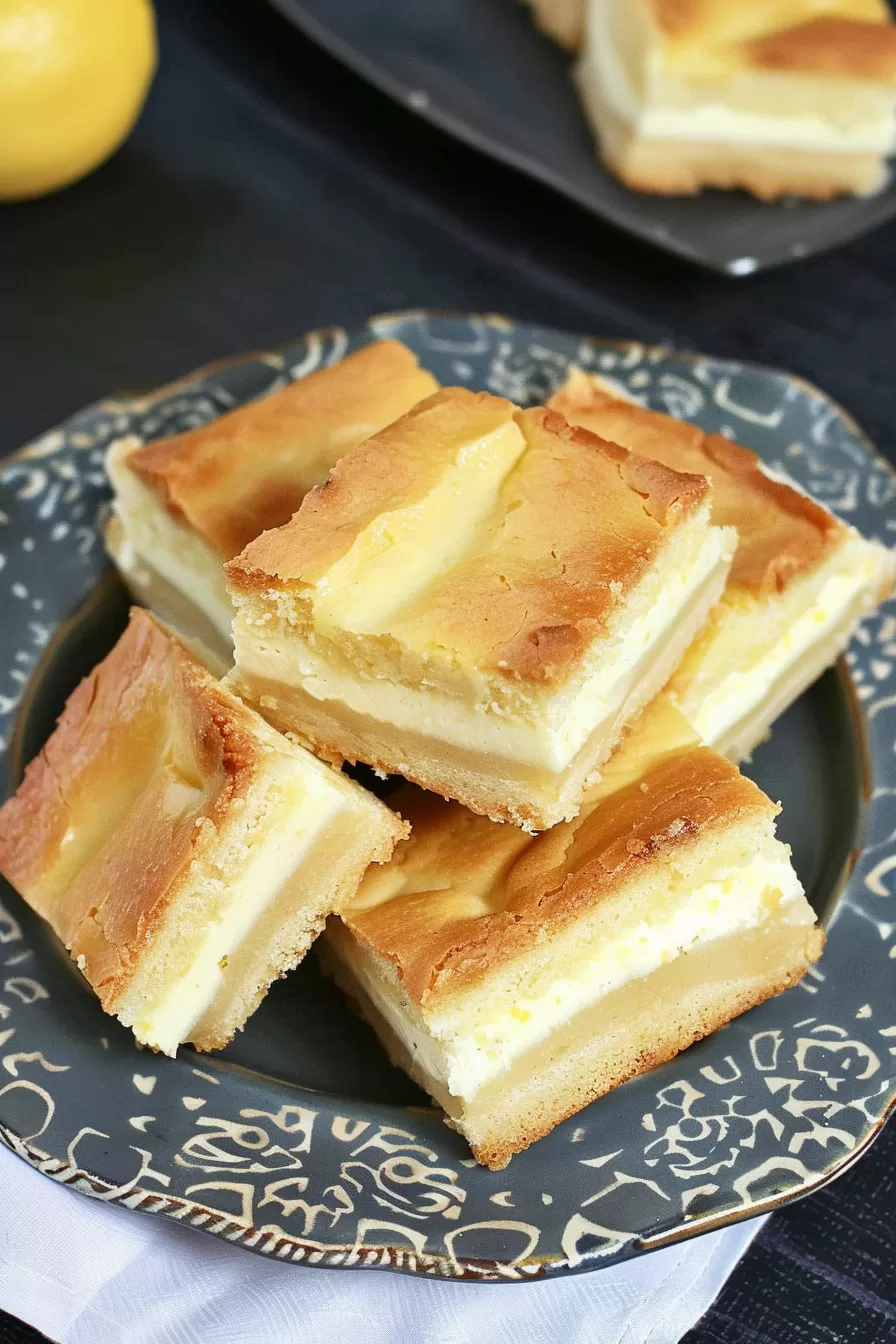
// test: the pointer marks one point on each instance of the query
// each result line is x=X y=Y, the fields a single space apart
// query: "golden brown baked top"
x=853 y=38
x=574 y=524
x=150 y=758
x=250 y=469
x=721 y=21
x=464 y=894
x=782 y=533
x=830 y=45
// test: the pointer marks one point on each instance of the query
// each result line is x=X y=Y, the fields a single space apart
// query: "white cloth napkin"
x=86 y=1273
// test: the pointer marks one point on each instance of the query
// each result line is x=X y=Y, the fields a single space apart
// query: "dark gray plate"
x=300 y=1141
x=481 y=71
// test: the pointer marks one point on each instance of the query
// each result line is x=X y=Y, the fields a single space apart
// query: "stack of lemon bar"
x=563 y=626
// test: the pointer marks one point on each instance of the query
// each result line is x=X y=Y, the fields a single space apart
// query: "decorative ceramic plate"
x=481 y=71
x=300 y=1141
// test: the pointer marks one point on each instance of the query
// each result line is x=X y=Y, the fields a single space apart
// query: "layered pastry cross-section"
x=186 y=504
x=776 y=96
x=479 y=598
x=185 y=853
x=800 y=582
x=517 y=979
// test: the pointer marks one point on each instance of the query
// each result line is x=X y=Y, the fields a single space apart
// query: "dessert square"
x=779 y=98
x=186 y=504
x=479 y=598
x=185 y=853
x=800 y=582
x=517 y=979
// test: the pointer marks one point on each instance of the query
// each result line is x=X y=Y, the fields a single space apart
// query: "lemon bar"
x=185 y=853
x=800 y=582
x=517 y=979
x=479 y=598
x=186 y=504
x=777 y=96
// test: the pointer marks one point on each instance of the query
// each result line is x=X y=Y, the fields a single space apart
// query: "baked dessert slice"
x=777 y=96
x=800 y=582
x=185 y=853
x=517 y=979
x=479 y=599
x=184 y=505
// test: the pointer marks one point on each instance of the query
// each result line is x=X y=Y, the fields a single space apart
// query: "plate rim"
x=140 y=399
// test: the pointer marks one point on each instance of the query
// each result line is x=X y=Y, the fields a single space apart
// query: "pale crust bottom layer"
x=671 y=167
x=683 y=167
x=743 y=736
x=500 y=789
x=328 y=877
x=627 y=1033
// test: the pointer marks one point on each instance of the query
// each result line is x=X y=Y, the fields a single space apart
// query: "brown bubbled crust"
x=250 y=469
x=563 y=20
x=91 y=839
x=472 y=893
x=782 y=533
x=737 y=27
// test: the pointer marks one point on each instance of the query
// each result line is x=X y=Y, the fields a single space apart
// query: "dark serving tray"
x=481 y=71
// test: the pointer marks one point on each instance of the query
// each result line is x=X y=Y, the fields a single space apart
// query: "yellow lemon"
x=73 y=77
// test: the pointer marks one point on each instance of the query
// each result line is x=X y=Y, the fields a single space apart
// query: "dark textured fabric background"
x=267 y=191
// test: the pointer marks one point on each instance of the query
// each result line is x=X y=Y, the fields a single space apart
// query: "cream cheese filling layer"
x=568 y=719
x=481 y=1039
x=152 y=538
x=733 y=667
x=284 y=841
x=858 y=124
